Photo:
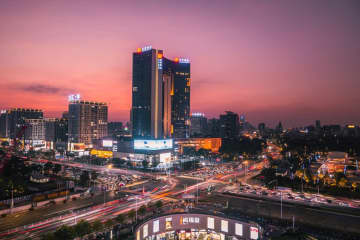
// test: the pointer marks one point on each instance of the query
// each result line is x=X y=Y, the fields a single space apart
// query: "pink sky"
x=271 y=60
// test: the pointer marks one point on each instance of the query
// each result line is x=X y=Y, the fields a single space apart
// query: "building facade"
x=198 y=125
x=160 y=95
x=12 y=120
x=229 y=125
x=87 y=121
x=35 y=129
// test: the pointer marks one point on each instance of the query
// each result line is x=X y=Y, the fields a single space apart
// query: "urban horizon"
x=278 y=77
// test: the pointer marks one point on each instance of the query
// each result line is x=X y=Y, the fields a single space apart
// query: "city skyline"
x=295 y=67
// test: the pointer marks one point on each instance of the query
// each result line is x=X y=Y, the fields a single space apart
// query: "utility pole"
x=281 y=212
x=293 y=218
x=136 y=209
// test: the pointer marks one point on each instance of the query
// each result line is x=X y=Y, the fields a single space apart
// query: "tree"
x=82 y=228
x=57 y=168
x=120 y=218
x=5 y=144
x=48 y=236
x=142 y=210
x=109 y=223
x=84 y=178
x=145 y=163
x=97 y=226
x=64 y=232
x=159 y=204
x=48 y=166
x=132 y=214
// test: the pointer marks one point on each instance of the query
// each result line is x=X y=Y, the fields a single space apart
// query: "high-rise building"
x=229 y=125
x=317 y=124
x=35 y=129
x=12 y=120
x=198 y=125
x=56 y=130
x=115 y=129
x=214 y=127
x=160 y=95
x=87 y=121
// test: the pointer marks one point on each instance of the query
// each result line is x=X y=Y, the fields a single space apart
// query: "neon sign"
x=74 y=97
x=184 y=60
x=146 y=48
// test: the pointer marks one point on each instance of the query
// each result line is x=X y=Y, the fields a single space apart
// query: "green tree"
x=109 y=223
x=142 y=210
x=145 y=163
x=82 y=228
x=132 y=214
x=159 y=204
x=48 y=236
x=57 y=168
x=120 y=218
x=65 y=232
x=97 y=226
x=84 y=178
x=48 y=166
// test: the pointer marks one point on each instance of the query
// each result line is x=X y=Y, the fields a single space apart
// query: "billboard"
x=210 y=223
x=165 y=157
x=152 y=145
x=107 y=143
x=156 y=226
x=224 y=226
x=238 y=229
x=254 y=233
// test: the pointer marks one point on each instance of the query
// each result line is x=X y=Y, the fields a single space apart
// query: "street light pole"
x=281 y=214
x=136 y=209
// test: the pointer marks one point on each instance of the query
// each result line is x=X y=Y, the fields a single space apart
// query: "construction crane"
x=18 y=136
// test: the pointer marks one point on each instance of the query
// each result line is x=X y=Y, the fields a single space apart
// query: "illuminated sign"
x=3 y=111
x=168 y=223
x=153 y=144
x=145 y=231
x=197 y=114
x=254 y=233
x=224 y=226
x=210 y=223
x=146 y=48
x=184 y=60
x=74 y=97
x=238 y=229
x=160 y=63
x=187 y=220
x=156 y=226
x=101 y=153
x=165 y=157
x=107 y=143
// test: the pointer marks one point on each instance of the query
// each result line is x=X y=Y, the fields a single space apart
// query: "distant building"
x=87 y=121
x=35 y=129
x=198 y=125
x=214 y=127
x=229 y=125
x=115 y=129
x=317 y=124
x=12 y=120
x=211 y=144
x=262 y=128
x=56 y=130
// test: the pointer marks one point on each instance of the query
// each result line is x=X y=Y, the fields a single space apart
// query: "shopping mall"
x=191 y=226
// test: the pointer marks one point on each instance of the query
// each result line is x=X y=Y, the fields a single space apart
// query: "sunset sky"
x=294 y=61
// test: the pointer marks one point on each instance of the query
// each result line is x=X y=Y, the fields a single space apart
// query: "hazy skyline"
x=294 y=61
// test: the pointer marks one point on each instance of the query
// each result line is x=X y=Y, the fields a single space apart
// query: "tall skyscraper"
x=160 y=95
x=179 y=73
x=87 y=121
x=229 y=125
x=198 y=125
